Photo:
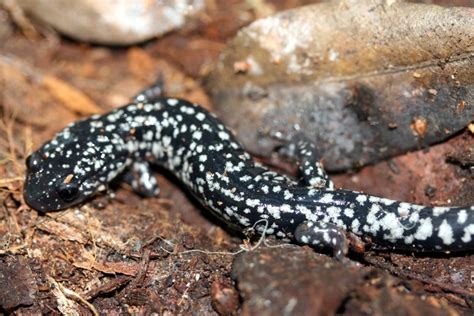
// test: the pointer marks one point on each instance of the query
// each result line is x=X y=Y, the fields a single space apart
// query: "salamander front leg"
x=142 y=180
x=311 y=170
x=322 y=235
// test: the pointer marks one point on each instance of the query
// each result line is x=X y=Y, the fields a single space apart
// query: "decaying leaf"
x=364 y=80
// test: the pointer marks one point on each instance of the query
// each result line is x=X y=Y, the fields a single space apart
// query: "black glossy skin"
x=185 y=139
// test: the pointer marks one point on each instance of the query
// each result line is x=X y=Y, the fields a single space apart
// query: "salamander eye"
x=68 y=192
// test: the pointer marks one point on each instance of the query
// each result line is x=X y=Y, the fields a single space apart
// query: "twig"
x=108 y=287
x=18 y=16
x=143 y=268
x=73 y=295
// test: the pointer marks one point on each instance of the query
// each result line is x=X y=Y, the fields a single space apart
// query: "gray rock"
x=115 y=22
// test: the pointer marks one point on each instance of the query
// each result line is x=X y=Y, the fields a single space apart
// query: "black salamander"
x=190 y=142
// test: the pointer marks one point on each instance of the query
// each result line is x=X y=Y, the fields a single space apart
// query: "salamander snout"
x=47 y=197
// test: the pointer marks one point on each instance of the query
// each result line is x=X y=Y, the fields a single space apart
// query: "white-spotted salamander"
x=190 y=142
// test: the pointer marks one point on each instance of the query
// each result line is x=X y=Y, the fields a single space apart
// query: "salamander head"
x=68 y=170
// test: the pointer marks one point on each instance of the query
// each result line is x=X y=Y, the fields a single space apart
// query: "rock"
x=113 y=22
x=292 y=281
x=296 y=281
x=364 y=80
x=17 y=284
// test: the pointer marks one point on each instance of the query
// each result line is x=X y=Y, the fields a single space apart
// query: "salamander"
x=202 y=153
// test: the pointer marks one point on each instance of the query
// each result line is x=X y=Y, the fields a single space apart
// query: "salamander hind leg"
x=311 y=170
x=141 y=179
x=322 y=235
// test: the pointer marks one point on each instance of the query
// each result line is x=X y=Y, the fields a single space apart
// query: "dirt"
x=120 y=253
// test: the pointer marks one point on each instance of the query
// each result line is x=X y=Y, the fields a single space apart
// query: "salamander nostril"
x=33 y=161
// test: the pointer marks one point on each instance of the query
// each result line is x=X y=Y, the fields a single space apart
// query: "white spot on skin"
x=361 y=199
x=166 y=141
x=172 y=102
x=462 y=217
x=327 y=198
x=285 y=208
x=334 y=212
x=98 y=164
x=244 y=221
x=409 y=239
x=349 y=212
x=274 y=211
x=425 y=230
x=197 y=134
x=390 y=223
x=446 y=233
x=149 y=136
x=326 y=237
x=223 y=135
x=355 y=225
x=252 y=202
x=380 y=200
x=404 y=209
x=287 y=195
x=375 y=208
x=245 y=178
x=317 y=182
x=372 y=219
x=200 y=116
x=468 y=232
x=437 y=211
x=307 y=212
x=414 y=217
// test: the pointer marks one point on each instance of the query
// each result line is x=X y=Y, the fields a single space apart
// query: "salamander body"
x=195 y=146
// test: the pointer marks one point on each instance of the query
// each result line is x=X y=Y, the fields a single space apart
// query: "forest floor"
x=127 y=254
